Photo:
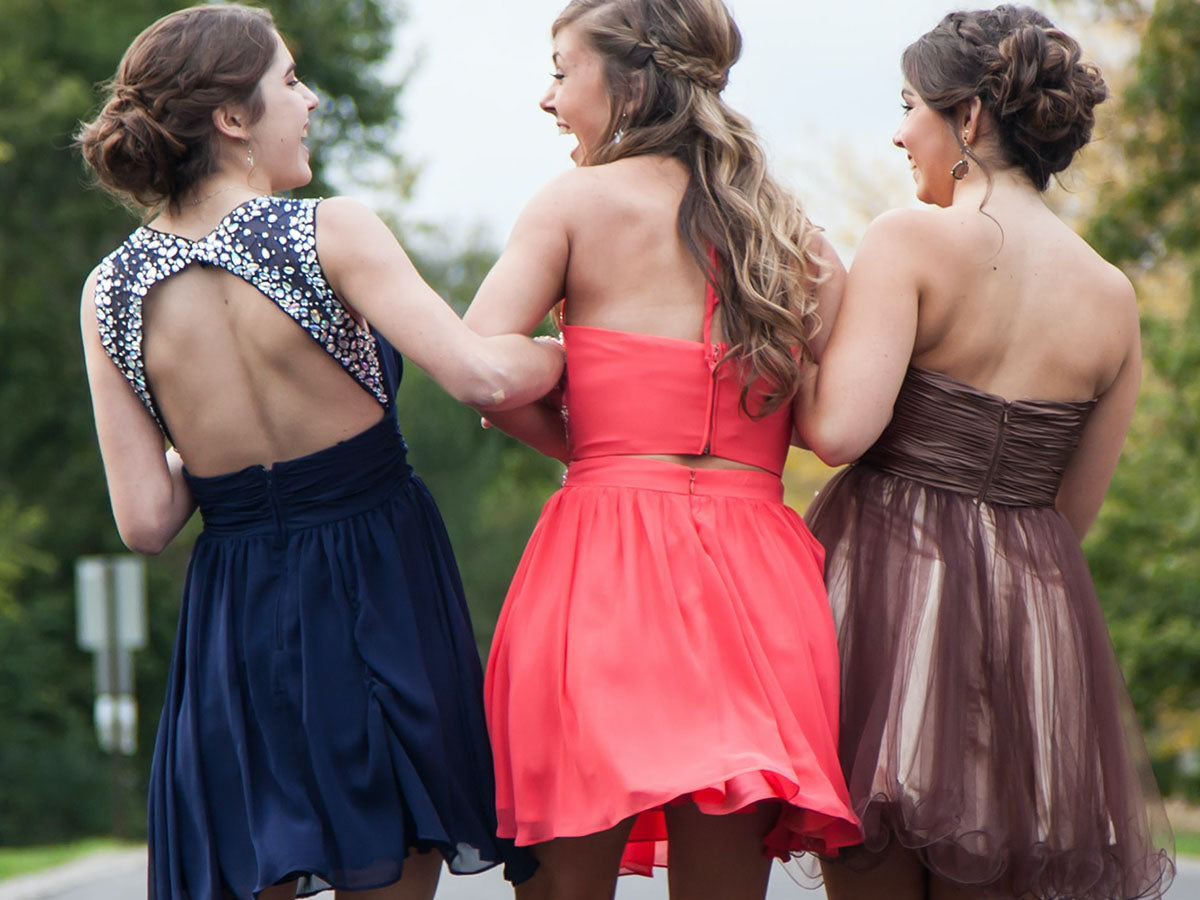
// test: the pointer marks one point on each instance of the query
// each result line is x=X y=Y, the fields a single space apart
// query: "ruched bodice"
x=307 y=491
x=950 y=435
x=984 y=720
x=634 y=394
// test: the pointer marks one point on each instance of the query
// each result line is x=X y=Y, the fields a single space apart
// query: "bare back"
x=1015 y=303
x=629 y=269
x=238 y=381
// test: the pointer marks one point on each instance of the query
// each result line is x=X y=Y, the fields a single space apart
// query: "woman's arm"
x=150 y=499
x=518 y=293
x=829 y=294
x=1087 y=477
x=369 y=270
x=847 y=402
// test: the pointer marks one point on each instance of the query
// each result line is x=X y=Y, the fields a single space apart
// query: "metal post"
x=111 y=619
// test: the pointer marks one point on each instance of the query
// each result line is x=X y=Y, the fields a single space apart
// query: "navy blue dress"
x=323 y=711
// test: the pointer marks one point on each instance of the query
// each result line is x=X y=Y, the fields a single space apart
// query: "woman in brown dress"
x=983 y=370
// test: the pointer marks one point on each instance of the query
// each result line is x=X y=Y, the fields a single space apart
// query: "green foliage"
x=53 y=229
x=489 y=488
x=1145 y=549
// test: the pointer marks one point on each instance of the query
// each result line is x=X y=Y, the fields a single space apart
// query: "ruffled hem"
x=660 y=643
x=984 y=719
x=807 y=823
x=1037 y=870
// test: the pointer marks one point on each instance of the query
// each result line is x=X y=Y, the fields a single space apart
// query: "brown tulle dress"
x=984 y=720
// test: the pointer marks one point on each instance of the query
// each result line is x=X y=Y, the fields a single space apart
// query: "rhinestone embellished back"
x=270 y=243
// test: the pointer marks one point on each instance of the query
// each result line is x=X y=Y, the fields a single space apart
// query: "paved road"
x=124 y=878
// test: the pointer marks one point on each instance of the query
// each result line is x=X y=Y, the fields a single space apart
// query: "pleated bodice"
x=342 y=480
x=950 y=435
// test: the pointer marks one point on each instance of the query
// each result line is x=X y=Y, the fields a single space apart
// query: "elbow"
x=486 y=385
x=145 y=541
x=832 y=448
x=484 y=390
x=146 y=534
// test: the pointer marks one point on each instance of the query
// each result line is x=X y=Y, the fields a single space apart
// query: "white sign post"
x=110 y=600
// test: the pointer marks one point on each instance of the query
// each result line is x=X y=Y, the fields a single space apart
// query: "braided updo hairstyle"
x=665 y=64
x=1027 y=74
x=153 y=139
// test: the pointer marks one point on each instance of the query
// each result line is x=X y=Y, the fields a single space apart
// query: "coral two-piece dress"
x=667 y=636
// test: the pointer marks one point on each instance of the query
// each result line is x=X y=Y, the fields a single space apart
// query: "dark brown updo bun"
x=153 y=139
x=1028 y=75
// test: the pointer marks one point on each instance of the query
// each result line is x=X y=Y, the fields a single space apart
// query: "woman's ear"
x=972 y=112
x=229 y=122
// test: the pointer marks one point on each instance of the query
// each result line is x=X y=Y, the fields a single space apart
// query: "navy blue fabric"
x=323 y=711
x=324 y=706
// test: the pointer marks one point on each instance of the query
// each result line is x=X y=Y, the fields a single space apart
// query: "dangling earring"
x=249 y=154
x=963 y=167
x=620 y=132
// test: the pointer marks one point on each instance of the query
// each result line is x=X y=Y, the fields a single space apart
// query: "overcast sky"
x=820 y=82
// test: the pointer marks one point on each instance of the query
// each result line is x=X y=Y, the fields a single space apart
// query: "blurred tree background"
x=1139 y=206
x=1145 y=547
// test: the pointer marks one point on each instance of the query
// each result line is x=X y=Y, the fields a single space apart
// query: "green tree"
x=489 y=488
x=1145 y=549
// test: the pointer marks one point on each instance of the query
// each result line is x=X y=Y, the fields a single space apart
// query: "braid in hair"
x=666 y=62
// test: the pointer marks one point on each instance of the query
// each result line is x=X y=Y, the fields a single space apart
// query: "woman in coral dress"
x=662 y=685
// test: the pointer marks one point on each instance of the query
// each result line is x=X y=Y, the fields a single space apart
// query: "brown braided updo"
x=153 y=139
x=1028 y=75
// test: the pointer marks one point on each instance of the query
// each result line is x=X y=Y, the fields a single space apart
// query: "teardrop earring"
x=249 y=155
x=962 y=168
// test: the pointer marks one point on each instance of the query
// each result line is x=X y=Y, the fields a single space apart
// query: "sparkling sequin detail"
x=269 y=242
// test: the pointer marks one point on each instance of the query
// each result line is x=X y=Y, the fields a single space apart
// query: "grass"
x=1187 y=843
x=23 y=860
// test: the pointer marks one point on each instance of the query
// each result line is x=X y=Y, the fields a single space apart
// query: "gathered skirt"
x=324 y=706
x=985 y=722
x=666 y=638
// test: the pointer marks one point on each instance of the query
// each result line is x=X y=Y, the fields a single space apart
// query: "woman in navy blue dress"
x=323 y=724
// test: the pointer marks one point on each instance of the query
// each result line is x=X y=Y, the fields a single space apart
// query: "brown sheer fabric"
x=984 y=719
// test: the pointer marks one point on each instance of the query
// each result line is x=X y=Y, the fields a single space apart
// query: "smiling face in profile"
x=932 y=150
x=277 y=137
x=578 y=97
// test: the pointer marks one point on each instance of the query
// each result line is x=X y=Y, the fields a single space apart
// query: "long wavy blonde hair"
x=666 y=63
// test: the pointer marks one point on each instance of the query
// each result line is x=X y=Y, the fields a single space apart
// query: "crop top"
x=636 y=394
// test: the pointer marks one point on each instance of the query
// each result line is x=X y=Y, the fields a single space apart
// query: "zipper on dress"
x=711 y=352
x=997 y=448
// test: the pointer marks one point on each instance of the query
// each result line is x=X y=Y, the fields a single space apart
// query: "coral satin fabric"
x=667 y=635
x=639 y=393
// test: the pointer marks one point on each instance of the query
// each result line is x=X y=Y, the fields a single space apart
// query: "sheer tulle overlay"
x=666 y=637
x=323 y=712
x=984 y=721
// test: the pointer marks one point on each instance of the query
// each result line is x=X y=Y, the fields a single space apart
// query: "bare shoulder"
x=904 y=229
x=904 y=234
x=349 y=232
x=89 y=285
x=336 y=215
x=87 y=297
x=1103 y=285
